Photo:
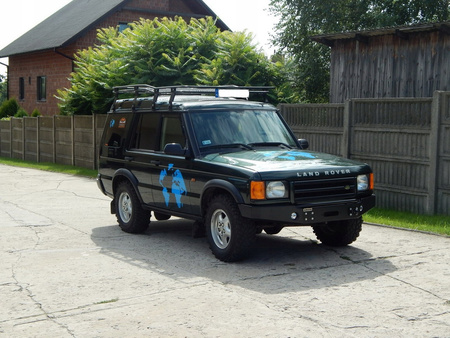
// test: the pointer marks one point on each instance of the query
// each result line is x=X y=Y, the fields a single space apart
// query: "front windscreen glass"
x=242 y=128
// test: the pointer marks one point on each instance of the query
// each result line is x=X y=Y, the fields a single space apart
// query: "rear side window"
x=116 y=130
x=155 y=130
x=146 y=136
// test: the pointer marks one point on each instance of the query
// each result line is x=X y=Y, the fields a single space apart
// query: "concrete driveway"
x=67 y=270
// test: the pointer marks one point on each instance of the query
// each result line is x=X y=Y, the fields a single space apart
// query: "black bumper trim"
x=308 y=214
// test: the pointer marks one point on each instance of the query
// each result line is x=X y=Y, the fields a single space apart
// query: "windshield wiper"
x=231 y=145
x=270 y=144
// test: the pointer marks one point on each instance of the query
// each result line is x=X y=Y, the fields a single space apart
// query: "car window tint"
x=172 y=131
x=147 y=132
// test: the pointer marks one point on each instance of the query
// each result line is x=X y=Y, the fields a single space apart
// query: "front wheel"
x=338 y=233
x=230 y=236
x=131 y=216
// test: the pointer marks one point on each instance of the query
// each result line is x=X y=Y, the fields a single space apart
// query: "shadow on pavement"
x=290 y=261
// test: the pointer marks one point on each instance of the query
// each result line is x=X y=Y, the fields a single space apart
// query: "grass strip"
x=58 y=168
x=439 y=224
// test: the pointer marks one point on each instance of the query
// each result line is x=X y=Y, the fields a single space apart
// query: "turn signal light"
x=257 y=190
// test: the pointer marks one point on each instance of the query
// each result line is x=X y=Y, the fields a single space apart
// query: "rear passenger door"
x=163 y=179
x=172 y=176
x=141 y=153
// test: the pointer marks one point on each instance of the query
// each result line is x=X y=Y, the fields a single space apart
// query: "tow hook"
x=355 y=211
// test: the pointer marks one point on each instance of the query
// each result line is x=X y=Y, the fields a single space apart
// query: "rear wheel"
x=131 y=216
x=339 y=233
x=230 y=235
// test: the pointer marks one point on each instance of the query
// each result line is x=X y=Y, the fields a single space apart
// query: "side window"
x=21 y=88
x=115 y=132
x=172 y=131
x=147 y=132
x=41 y=88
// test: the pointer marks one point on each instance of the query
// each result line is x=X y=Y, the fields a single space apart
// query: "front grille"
x=324 y=190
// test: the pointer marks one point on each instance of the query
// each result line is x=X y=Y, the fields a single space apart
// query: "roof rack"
x=139 y=90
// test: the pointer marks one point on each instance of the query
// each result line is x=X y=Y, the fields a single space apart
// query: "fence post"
x=346 y=135
x=72 y=121
x=38 y=137
x=434 y=152
x=23 y=139
x=54 y=138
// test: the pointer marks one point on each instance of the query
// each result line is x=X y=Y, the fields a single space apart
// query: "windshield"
x=243 y=128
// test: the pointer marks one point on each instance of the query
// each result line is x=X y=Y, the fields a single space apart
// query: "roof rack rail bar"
x=139 y=90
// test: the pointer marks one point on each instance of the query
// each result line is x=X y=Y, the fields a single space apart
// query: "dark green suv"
x=232 y=165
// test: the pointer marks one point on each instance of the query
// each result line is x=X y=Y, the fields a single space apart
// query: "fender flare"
x=224 y=185
x=130 y=177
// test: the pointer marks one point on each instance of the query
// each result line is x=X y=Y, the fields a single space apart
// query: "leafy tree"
x=301 y=19
x=165 y=52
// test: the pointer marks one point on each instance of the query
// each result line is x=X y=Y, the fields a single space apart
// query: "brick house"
x=40 y=61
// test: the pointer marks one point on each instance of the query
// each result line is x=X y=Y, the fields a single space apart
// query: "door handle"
x=155 y=162
x=129 y=158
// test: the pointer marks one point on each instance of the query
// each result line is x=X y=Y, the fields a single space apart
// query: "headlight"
x=276 y=189
x=364 y=182
x=260 y=190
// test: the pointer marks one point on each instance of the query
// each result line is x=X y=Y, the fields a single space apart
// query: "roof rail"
x=139 y=90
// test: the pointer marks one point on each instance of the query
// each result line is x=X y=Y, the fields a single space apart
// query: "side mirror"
x=175 y=149
x=304 y=144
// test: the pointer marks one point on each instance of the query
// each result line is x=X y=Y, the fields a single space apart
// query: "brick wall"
x=57 y=68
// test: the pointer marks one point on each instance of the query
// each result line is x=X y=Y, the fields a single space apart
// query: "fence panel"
x=320 y=124
x=393 y=136
x=5 y=139
x=17 y=138
x=63 y=140
x=46 y=139
x=84 y=141
x=31 y=139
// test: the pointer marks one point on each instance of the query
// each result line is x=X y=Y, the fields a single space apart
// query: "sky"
x=239 y=15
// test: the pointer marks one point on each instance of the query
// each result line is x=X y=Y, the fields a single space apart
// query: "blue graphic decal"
x=178 y=187
x=291 y=155
x=301 y=153
x=290 y=158
x=112 y=123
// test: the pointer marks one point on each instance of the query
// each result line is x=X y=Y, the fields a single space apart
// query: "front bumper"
x=308 y=214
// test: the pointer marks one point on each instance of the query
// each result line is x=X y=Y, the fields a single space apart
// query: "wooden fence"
x=68 y=140
x=406 y=141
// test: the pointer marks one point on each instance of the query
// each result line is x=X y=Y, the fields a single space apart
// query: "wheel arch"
x=125 y=175
x=215 y=187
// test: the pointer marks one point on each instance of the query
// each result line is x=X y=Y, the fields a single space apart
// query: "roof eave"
x=363 y=36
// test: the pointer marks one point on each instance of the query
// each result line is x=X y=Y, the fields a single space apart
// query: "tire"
x=339 y=233
x=161 y=217
x=230 y=236
x=131 y=216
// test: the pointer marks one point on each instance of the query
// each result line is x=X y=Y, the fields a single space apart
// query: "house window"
x=41 y=88
x=21 y=88
x=122 y=26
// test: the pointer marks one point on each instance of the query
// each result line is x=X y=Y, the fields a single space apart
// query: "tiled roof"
x=75 y=19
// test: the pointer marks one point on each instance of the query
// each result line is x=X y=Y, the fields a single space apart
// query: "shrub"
x=9 y=108
x=21 y=113
x=36 y=113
